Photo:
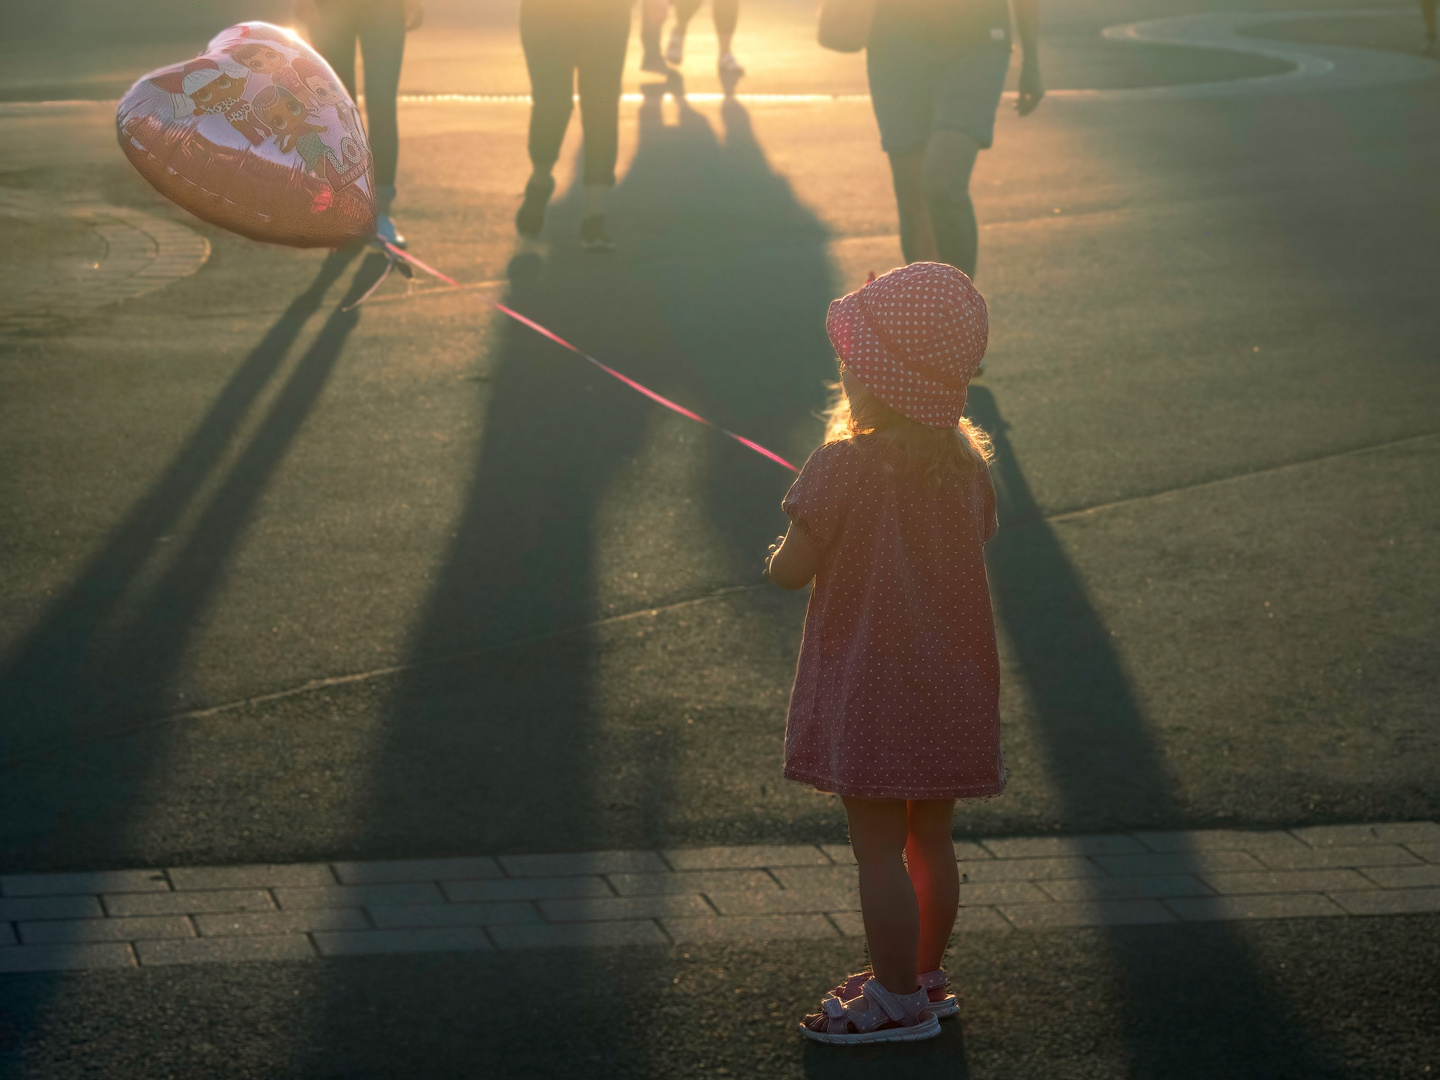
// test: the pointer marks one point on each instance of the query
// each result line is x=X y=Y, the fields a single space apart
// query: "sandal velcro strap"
x=884 y=999
x=933 y=980
x=834 y=1008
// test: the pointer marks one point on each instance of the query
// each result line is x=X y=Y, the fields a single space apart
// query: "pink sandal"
x=935 y=983
x=874 y=1014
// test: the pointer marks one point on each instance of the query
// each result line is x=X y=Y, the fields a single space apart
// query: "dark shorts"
x=918 y=87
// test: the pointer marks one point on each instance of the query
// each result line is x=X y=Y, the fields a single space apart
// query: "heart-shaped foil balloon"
x=256 y=135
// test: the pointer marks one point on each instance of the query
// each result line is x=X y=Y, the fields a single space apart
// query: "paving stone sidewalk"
x=181 y=915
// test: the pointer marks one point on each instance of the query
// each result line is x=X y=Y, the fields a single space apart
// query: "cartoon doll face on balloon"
x=219 y=89
x=290 y=120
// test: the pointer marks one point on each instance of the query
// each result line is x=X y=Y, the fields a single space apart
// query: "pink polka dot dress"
x=897 y=689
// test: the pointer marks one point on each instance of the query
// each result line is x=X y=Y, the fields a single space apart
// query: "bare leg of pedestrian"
x=652 y=21
x=684 y=11
x=549 y=44
x=727 y=16
x=917 y=237
x=599 y=70
x=949 y=160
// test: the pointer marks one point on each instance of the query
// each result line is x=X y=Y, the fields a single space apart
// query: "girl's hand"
x=770 y=557
x=793 y=559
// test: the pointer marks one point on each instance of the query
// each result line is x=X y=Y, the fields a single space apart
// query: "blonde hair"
x=935 y=455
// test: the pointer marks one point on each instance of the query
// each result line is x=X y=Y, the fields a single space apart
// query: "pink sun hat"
x=914 y=337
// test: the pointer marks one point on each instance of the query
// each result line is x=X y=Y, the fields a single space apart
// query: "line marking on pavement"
x=1070 y=515
x=764 y=892
x=332 y=681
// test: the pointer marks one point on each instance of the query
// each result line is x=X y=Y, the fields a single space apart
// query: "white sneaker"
x=728 y=65
x=675 y=51
x=385 y=230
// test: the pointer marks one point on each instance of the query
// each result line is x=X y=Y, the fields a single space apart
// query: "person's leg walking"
x=930 y=859
x=684 y=11
x=382 y=45
x=548 y=42
x=878 y=832
x=727 y=17
x=600 y=67
x=949 y=160
x=917 y=239
x=652 y=21
x=334 y=35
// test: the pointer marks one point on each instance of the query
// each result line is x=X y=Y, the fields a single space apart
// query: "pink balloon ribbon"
x=397 y=253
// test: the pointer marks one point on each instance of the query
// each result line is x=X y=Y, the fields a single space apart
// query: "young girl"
x=896 y=699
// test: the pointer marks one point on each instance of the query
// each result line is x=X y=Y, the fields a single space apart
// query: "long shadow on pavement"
x=1211 y=1019
x=519 y=749
x=101 y=660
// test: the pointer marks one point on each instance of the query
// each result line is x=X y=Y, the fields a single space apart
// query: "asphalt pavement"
x=283 y=583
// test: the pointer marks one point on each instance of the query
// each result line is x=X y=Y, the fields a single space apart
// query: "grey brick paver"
x=1002 y=892
x=1382 y=902
x=798 y=927
x=1266 y=906
x=1043 y=869
x=1218 y=840
x=1403 y=877
x=139 y=928
x=746 y=857
x=584 y=862
x=71 y=957
x=1177 y=863
x=1034 y=847
x=667 y=905
x=1428 y=852
x=1284 y=881
x=7 y=935
x=1085 y=913
x=1155 y=886
x=424 y=940
x=251 y=877
x=814 y=877
x=410 y=870
x=50 y=907
x=1321 y=858
x=104 y=881
x=281 y=922
x=189 y=903
x=687 y=881
x=841 y=854
x=578 y=935
x=332 y=896
x=780 y=901
x=526 y=889
x=443 y=915
x=225 y=950
x=964 y=849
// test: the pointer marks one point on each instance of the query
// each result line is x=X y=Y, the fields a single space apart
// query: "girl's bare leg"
x=930 y=857
x=878 y=833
